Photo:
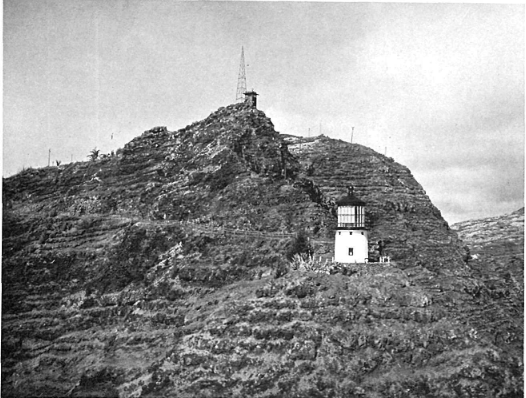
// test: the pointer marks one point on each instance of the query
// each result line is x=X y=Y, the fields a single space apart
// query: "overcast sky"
x=441 y=86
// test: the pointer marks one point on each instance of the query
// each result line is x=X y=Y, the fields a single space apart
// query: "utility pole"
x=49 y=158
x=352 y=134
x=241 y=79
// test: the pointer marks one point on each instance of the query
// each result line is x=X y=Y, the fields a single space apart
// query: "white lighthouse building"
x=351 y=242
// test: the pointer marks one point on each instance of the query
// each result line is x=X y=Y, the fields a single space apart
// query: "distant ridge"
x=504 y=233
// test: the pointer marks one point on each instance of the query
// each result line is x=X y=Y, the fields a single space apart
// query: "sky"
x=437 y=87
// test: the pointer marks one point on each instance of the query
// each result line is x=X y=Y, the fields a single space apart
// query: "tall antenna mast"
x=241 y=79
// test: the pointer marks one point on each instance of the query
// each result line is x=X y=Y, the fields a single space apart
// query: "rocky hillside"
x=399 y=213
x=167 y=269
x=494 y=237
x=496 y=246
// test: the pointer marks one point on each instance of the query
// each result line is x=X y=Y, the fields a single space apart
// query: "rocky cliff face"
x=165 y=271
x=496 y=257
x=399 y=212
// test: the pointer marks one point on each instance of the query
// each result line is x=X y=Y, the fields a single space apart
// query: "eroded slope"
x=163 y=271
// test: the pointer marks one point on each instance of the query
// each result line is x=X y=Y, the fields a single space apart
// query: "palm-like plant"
x=94 y=154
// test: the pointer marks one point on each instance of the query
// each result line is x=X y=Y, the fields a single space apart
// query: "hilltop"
x=399 y=211
x=164 y=270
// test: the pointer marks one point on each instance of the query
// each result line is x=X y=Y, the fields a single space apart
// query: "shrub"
x=300 y=245
x=310 y=169
x=306 y=262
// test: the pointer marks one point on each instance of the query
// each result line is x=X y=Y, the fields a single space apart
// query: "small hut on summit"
x=250 y=98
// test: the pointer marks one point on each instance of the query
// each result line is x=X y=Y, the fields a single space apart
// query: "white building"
x=351 y=242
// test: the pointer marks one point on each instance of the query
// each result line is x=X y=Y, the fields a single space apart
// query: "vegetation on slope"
x=165 y=270
x=496 y=247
